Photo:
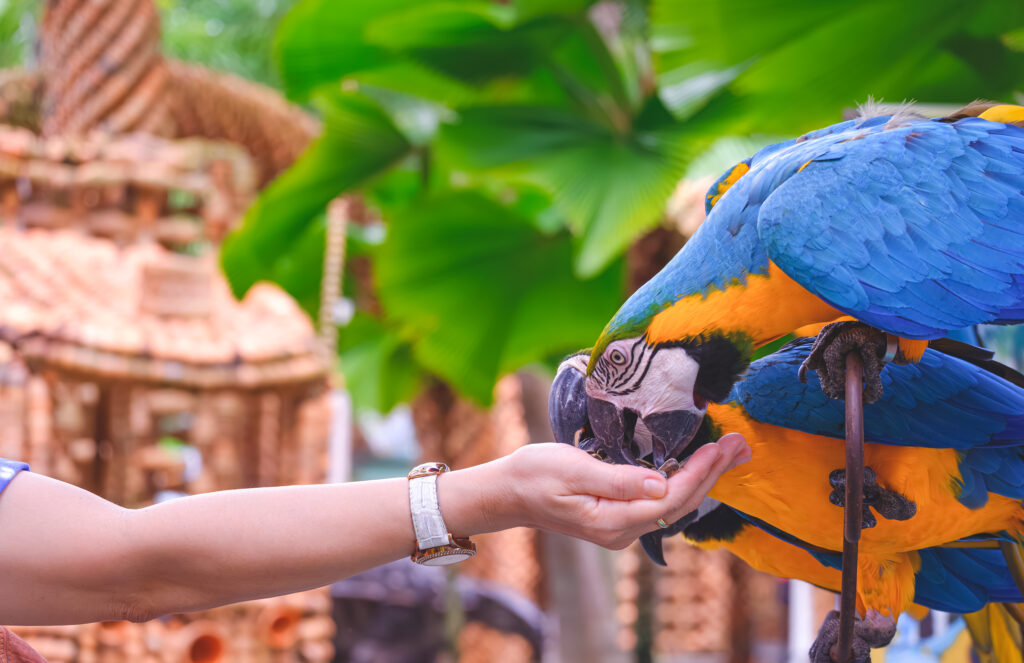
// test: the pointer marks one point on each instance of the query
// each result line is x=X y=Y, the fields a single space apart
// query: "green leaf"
x=481 y=292
x=358 y=143
x=320 y=41
x=527 y=9
x=466 y=41
x=473 y=42
x=794 y=65
x=611 y=186
x=379 y=368
x=299 y=269
x=441 y=25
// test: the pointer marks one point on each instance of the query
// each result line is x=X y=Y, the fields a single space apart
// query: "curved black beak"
x=672 y=432
x=567 y=401
x=653 y=542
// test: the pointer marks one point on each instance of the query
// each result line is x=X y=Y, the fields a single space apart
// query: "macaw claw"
x=875 y=630
x=888 y=503
x=828 y=358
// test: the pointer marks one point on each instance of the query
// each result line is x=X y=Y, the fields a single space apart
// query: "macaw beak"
x=653 y=542
x=567 y=402
x=671 y=431
x=578 y=419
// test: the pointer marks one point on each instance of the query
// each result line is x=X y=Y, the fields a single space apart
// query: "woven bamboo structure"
x=126 y=365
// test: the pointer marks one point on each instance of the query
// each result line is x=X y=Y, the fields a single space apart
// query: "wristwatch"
x=434 y=545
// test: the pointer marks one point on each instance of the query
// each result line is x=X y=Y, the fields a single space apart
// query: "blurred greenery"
x=18 y=20
x=230 y=35
x=515 y=150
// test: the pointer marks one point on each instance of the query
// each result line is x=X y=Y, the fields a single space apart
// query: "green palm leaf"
x=480 y=291
x=358 y=143
x=611 y=185
x=380 y=371
x=792 y=65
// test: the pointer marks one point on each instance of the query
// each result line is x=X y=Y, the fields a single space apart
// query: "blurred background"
x=260 y=242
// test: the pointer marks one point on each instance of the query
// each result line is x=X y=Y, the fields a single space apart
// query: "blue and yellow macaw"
x=912 y=227
x=900 y=228
x=946 y=441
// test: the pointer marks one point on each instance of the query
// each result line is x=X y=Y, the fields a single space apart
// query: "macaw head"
x=642 y=403
x=668 y=431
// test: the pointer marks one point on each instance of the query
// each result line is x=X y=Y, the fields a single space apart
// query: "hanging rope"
x=334 y=263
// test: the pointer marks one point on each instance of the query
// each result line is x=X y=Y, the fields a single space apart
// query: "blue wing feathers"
x=916 y=230
x=941 y=402
x=955 y=580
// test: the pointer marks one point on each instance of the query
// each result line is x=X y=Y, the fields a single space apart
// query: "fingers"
x=683 y=490
x=735 y=444
x=614 y=504
x=686 y=489
x=589 y=476
x=734 y=452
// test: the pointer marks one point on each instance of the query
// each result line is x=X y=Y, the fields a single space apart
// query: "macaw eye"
x=617 y=357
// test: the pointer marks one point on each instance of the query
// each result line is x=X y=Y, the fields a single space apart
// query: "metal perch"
x=843 y=650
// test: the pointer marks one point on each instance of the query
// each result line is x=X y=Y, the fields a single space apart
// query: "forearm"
x=75 y=558
x=236 y=545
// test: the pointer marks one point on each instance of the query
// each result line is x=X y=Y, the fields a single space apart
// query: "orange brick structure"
x=124 y=358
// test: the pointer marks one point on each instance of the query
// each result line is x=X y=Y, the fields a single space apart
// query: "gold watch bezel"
x=461 y=548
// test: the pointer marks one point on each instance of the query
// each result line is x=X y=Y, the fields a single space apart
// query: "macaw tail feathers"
x=996 y=632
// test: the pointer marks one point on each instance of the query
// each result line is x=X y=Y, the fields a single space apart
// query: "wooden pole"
x=843 y=651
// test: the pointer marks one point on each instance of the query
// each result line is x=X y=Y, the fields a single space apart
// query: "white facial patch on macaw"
x=636 y=376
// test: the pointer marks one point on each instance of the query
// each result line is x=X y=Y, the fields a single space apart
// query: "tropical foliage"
x=18 y=22
x=230 y=35
x=515 y=150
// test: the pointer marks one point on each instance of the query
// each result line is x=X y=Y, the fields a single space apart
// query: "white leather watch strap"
x=427 y=521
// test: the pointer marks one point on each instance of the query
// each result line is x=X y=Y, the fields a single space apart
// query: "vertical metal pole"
x=843 y=651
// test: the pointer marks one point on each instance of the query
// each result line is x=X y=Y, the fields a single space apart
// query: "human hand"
x=558 y=488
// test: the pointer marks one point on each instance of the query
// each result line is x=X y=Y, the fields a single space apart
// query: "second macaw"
x=946 y=442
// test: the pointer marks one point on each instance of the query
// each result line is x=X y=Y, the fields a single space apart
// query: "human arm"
x=69 y=556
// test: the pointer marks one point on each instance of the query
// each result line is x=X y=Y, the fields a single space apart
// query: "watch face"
x=458 y=551
x=446 y=558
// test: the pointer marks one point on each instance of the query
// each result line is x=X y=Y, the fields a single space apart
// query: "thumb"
x=590 y=476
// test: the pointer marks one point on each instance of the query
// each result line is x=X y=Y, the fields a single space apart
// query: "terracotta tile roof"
x=81 y=304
